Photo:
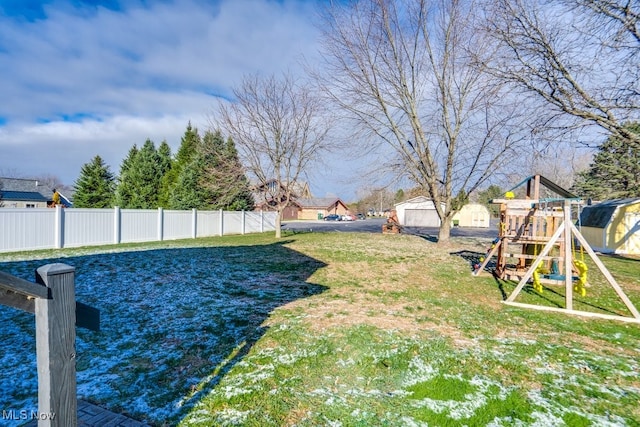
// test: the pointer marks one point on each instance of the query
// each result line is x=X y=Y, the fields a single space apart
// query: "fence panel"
x=253 y=222
x=85 y=227
x=269 y=221
x=232 y=222
x=31 y=229
x=25 y=229
x=177 y=225
x=208 y=224
x=138 y=225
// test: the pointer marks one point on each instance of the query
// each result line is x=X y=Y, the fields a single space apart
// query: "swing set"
x=537 y=242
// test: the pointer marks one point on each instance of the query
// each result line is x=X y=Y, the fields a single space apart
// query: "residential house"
x=265 y=196
x=27 y=193
x=318 y=208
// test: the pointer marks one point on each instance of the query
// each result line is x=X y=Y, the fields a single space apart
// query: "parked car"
x=332 y=217
x=361 y=216
x=348 y=217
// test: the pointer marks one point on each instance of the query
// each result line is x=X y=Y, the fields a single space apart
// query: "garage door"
x=421 y=218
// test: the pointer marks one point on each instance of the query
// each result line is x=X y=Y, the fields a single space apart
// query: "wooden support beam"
x=488 y=258
x=529 y=273
x=576 y=312
x=605 y=273
x=22 y=287
x=55 y=347
x=568 y=261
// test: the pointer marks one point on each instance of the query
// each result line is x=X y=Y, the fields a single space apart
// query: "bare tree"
x=52 y=181
x=279 y=130
x=560 y=163
x=581 y=57
x=403 y=73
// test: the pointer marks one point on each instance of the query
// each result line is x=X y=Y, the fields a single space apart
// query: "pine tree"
x=169 y=181
x=146 y=174
x=224 y=175
x=188 y=192
x=485 y=197
x=241 y=197
x=95 y=186
x=164 y=157
x=125 y=189
x=614 y=172
x=140 y=178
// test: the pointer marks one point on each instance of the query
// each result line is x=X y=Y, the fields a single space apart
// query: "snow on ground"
x=168 y=319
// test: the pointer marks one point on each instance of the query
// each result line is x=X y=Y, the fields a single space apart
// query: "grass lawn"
x=366 y=330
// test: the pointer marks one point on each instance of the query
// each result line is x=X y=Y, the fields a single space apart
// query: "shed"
x=472 y=215
x=418 y=212
x=612 y=226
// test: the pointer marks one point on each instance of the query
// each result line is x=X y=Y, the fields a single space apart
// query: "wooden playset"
x=538 y=241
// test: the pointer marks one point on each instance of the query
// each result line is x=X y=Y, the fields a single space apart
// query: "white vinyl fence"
x=31 y=229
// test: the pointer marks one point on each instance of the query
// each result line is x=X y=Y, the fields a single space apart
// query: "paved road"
x=374 y=225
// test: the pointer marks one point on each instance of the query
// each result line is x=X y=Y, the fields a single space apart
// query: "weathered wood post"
x=55 y=347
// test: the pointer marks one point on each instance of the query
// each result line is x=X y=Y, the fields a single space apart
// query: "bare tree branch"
x=553 y=49
x=278 y=128
x=402 y=71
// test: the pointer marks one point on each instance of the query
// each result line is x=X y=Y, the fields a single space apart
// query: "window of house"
x=30 y=205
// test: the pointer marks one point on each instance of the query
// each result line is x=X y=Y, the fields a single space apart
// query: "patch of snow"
x=168 y=318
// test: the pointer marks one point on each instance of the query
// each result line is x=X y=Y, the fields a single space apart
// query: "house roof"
x=599 y=215
x=22 y=184
x=27 y=196
x=322 y=202
x=28 y=190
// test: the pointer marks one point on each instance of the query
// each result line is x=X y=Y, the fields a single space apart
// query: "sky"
x=84 y=78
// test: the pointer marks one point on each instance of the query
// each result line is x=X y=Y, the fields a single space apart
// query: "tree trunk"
x=278 y=224
x=445 y=230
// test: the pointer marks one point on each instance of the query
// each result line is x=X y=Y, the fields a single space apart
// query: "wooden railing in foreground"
x=52 y=300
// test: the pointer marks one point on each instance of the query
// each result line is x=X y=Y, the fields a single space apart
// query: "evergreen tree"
x=164 y=157
x=187 y=193
x=614 y=172
x=95 y=186
x=188 y=146
x=146 y=173
x=126 y=188
x=485 y=197
x=140 y=177
x=224 y=177
x=240 y=195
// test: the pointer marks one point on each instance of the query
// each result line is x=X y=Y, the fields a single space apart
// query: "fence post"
x=221 y=222
x=160 y=224
x=244 y=221
x=261 y=221
x=55 y=347
x=59 y=227
x=116 y=225
x=194 y=223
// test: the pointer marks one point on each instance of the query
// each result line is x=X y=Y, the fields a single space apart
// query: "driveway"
x=374 y=225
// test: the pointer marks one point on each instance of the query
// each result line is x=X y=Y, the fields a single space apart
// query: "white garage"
x=418 y=212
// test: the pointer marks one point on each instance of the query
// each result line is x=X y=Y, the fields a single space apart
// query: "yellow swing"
x=541 y=268
x=581 y=268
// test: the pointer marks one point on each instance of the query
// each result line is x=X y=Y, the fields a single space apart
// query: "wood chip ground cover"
x=330 y=329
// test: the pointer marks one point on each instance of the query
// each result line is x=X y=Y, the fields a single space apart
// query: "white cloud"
x=96 y=81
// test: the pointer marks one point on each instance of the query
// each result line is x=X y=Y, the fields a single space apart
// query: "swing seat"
x=560 y=277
